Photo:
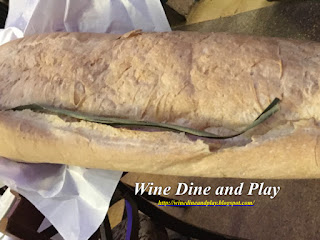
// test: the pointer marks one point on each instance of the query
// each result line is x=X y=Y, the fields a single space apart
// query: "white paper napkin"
x=75 y=200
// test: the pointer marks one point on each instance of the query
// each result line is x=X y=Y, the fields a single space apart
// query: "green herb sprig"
x=268 y=112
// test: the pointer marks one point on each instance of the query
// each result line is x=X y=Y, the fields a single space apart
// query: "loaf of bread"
x=215 y=82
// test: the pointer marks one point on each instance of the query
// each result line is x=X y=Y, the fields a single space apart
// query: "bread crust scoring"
x=209 y=81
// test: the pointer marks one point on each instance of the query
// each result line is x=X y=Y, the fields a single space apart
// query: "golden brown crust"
x=34 y=137
x=290 y=152
x=213 y=81
x=292 y=155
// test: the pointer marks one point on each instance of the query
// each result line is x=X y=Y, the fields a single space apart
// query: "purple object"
x=129 y=223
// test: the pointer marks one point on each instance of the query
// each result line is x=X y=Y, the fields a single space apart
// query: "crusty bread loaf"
x=215 y=82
